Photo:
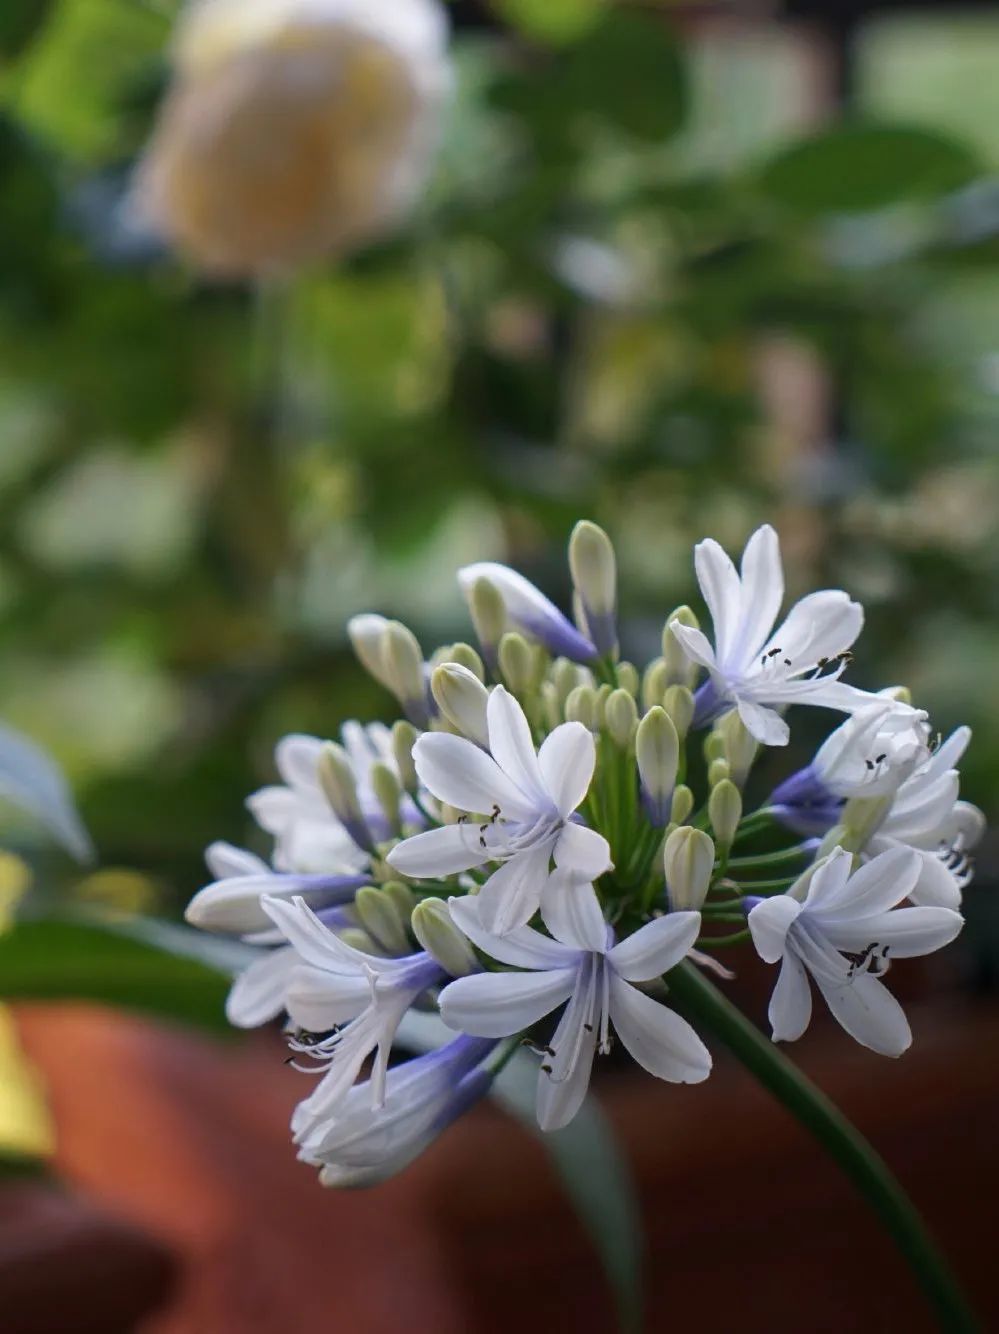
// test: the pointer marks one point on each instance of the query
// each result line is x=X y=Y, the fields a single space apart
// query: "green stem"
x=767 y=859
x=717 y=942
x=865 y=1168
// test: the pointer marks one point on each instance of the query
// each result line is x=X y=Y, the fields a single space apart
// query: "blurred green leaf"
x=68 y=960
x=20 y=21
x=552 y=20
x=629 y=71
x=859 y=166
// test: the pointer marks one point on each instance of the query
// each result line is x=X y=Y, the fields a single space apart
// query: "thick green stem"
x=868 y=1172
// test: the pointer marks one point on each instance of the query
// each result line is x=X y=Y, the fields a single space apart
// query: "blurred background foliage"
x=676 y=271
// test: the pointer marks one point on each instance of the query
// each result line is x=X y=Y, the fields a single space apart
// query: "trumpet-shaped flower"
x=753 y=667
x=526 y=800
x=529 y=611
x=358 y=998
x=359 y=1147
x=580 y=965
x=844 y=929
x=925 y=814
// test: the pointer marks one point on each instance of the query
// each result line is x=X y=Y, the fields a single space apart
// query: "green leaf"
x=630 y=72
x=703 y=1002
x=860 y=166
x=553 y=21
x=70 y=960
x=20 y=21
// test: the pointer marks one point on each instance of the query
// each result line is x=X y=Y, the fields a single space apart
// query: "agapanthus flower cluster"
x=549 y=831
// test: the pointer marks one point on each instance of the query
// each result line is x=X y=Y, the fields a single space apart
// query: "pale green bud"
x=725 y=811
x=714 y=746
x=360 y=940
x=861 y=818
x=679 y=704
x=402 y=659
x=566 y=676
x=388 y=794
x=380 y=918
x=680 y=671
x=551 y=711
x=657 y=752
x=462 y=699
x=603 y=694
x=336 y=778
x=594 y=574
x=688 y=860
x=438 y=935
x=366 y=634
x=581 y=707
x=628 y=678
x=404 y=738
x=621 y=716
x=740 y=746
x=488 y=612
x=683 y=804
x=465 y=656
x=718 y=772
x=516 y=662
x=654 y=684
x=402 y=897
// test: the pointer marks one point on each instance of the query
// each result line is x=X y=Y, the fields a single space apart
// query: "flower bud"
x=657 y=751
x=740 y=746
x=680 y=671
x=388 y=794
x=465 y=656
x=336 y=778
x=688 y=859
x=566 y=676
x=654 y=684
x=725 y=811
x=517 y=663
x=600 y=706
x=527 y=609
x=628 y=678
x=714 y=746
x=359 y=939
x=402 y=660
x=621 y=714
x=718 y=771
x=462 y=699
x=683 y=804
x=679 y=704
x=594 y=574
x=861 y=818
x=404 y=738
x=551 y=711
x=434 y=929
x=367 y=633
x=581 y=707
x=379 y=916
x=488 y=612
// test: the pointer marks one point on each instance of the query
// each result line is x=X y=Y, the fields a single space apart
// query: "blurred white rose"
x=294 y=128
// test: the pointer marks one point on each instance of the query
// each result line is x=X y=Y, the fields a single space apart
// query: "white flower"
x=926 y=815
x=294 y=127
x=359 y=1146
x=526 y=800
x=529 y=610
x=754 y=668
x=844 y=931
x=359 y=998
x=580 y=965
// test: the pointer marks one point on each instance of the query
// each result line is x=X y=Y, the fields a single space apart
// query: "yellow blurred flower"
x=294 y=128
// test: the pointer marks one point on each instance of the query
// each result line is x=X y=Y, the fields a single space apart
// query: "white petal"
x=948 y=755
x=315 y=943
x=566 y=760
x=826 y=879
x=521 y=948
x=318 y=1000
x=511 y=896
x=762 y=591
x=877 y=886
x=258 y=994
x=935 y=885
x=656 y=948
x=583 y=851
x=821 y=625
x=33 y=781
x=512 y=747
x=907 y=932
x=561 y=1092
x=695 y=644
x=234 y=905
x=768 y=727
x=921 y=811
x=790 y=1007
x=297 y=760
x=658 y=1039
x=497 y=1005
x=443 y=851
x=572 y=912
x=869 y=1013
x=224 y=860
x=457 y=771
x=769 y=923
x=722 y=591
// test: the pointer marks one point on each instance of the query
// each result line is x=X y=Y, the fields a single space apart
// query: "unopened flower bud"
x=403 y=662
x=367 y=634
x=581 y=707
x=680 y=671
x=359 y=939
x=657 y=752
x=621 y=714
x=688 y=859
x=516 y=663
x=462 y=699
x=551 y=711
x=434 y=929
x=594 y=574
x=679 y=704
x=683 y=804
x=488 y=612
x=654 y=684
x=566 y=676
x=336 y=778
x=404 y=738
x=740 y=746
x=388 y=794
x=714 y=746
x=465 y=656
x=602 y=696
x=725 y=811
x=718 y=771
x=378 y=914
x=861 y=818
x=628 y=678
